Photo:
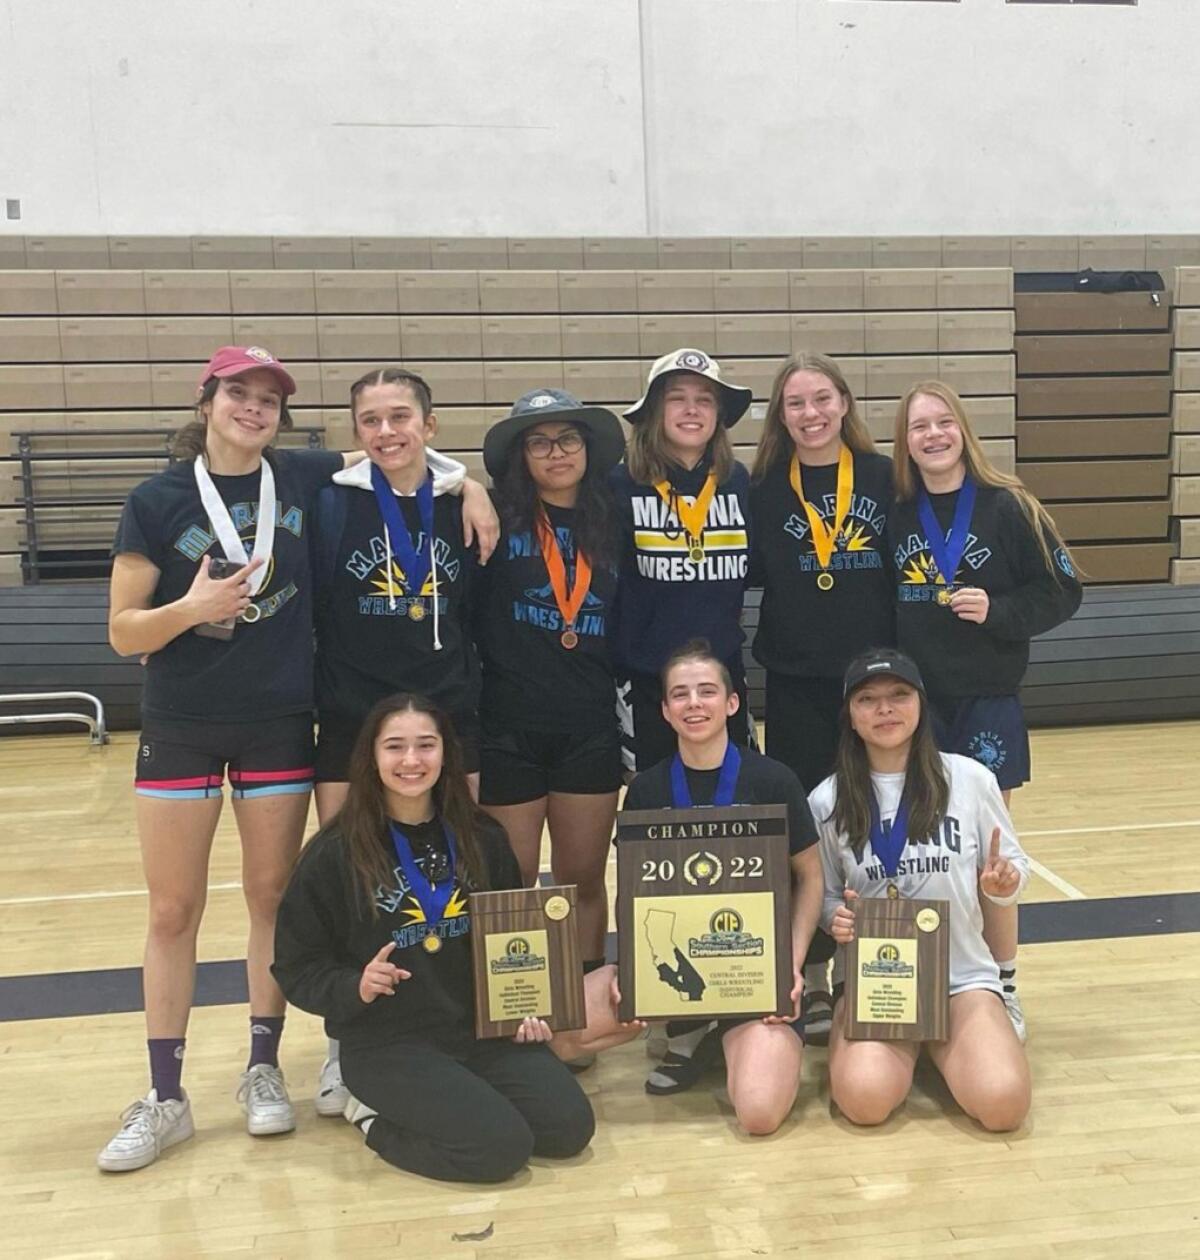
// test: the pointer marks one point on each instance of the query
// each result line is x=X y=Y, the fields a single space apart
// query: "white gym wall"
x=614 y=117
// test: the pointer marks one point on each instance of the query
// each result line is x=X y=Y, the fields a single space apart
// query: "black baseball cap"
x=882 y=661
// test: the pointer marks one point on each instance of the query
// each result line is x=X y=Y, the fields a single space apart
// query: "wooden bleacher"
x=107 y=334
x=95 y=352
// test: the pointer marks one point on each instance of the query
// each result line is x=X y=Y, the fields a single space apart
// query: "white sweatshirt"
x=943 y=867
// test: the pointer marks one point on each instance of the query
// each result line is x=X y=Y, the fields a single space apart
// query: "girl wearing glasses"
x=549 y=751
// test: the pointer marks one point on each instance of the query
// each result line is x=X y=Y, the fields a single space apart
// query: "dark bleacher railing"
x=152 y=449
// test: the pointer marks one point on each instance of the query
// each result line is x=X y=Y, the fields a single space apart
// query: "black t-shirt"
x=760 y=781
x=265 y=670
x=960 y=658
x=664 y=597
x=803 y=630
x=368 y=644
x=325 y=936
x=529 y=678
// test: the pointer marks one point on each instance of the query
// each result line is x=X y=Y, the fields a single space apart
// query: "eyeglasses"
x=570 y=442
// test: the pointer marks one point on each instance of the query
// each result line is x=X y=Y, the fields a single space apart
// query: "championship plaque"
x=898 y=971
x=525 y=950
x=704 y=912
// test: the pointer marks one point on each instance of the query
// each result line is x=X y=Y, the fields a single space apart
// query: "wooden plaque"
x=704 y=926
x=525 y=950
x=898 y=971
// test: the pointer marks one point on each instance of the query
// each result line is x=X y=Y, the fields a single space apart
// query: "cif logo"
x=888 y=953
x=725 y=922
x=518 y=947
x=702 y=868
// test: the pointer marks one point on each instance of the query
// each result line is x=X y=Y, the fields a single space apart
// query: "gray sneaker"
x=332 y=1094
x=148 y=1128
x=265 y=1101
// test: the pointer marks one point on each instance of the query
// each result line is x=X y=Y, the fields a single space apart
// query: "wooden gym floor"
x=1108 y=1164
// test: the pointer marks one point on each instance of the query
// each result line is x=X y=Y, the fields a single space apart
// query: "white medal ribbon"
x=227 y=535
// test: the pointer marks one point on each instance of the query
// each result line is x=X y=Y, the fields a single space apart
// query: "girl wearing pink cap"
x=210 y=584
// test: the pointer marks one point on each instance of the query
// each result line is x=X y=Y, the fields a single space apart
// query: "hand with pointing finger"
x=380 y=977
x=999 y=877
x=842 y=926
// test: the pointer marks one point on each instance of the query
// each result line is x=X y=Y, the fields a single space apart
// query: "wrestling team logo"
x=988 y=748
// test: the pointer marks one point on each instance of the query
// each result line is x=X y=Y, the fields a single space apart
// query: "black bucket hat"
x=606 y=439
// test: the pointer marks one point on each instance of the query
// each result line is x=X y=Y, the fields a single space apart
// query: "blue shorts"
x=990 y=729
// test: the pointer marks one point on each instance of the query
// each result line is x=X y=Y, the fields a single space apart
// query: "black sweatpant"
x=802 y=724
x=653 y=738
x=474 y=1114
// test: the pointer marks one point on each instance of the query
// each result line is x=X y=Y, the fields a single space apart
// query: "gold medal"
x=416 y=612
x=557 y=908
x=824 y=537
x=928 y=920
x=692 y=516
x=945 y=595
x=569 y=639
x=892 y=891
x=431 y=944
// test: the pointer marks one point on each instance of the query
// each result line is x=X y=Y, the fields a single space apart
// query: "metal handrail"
x=96 y=727
x=26 y=438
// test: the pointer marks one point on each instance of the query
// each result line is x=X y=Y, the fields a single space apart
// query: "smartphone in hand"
x=219 y=568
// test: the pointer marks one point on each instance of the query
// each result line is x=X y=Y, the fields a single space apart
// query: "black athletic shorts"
x=336 y=736
x=990 y=729
x=181 y=761
x=522 y=765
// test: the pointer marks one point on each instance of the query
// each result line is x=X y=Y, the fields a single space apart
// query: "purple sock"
x=265 y=1031
x=166 y=1066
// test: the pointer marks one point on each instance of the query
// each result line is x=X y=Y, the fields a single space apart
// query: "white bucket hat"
x=734 y=399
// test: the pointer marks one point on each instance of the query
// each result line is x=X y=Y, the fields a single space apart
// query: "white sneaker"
x=359 y=1114
x=1012 y=1004
x=332 y=1094
x=265 y=1101
x=148 y=1128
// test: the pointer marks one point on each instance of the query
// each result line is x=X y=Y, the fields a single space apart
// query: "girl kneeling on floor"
x=898 y=818
x=374 y=935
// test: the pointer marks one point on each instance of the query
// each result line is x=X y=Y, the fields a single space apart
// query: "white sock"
x=333 y=1051
x=1008 y=975
x=684 y=1044
x=816 y=978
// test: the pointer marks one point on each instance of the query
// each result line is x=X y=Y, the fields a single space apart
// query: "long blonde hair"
x=979 y=468
x=646 y=456
x=775 y=444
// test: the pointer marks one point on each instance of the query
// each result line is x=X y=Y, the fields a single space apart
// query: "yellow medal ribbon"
x=691 y=515
x=824 y=536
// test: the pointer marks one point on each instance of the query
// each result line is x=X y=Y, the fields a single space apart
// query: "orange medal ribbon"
x=568 y=605
x=824 y=536
x=691 y=515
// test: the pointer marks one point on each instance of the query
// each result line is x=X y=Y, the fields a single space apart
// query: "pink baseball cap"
x=234 y=360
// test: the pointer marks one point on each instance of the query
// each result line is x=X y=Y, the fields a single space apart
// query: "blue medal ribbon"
x=433 y=898
x=888 y=839
x=681 y=797
x=416 y=561
x=947 y=549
